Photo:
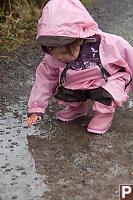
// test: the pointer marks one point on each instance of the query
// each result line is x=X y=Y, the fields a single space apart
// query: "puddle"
x=18 y=176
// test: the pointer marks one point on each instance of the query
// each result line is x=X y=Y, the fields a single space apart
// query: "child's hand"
x=32 y=119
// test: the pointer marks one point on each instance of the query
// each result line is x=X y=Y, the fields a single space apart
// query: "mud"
x=61 y=161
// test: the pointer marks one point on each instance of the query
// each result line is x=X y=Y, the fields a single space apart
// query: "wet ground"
x=61 y=161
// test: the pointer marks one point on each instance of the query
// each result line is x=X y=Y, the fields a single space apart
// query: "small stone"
x=15 y=197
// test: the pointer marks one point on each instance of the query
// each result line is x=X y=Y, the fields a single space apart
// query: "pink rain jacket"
x=70 y=18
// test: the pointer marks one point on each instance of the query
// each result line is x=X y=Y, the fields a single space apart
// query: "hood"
x=67 y=18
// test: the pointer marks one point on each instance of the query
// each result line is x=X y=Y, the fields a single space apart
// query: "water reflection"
x=18 y=176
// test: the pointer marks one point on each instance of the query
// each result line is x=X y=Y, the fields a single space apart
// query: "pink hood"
x=66 y=18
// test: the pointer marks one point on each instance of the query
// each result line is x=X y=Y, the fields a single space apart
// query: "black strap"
x=128 y=82
x=104 y=72
x=63 y=74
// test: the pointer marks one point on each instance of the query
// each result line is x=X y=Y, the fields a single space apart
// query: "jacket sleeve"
x=126 y=50
x=45 y=84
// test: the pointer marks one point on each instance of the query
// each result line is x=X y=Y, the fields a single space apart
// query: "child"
x=81 y=63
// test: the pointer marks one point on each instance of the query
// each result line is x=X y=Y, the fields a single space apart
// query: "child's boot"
x=102 y=119
x=72 y=112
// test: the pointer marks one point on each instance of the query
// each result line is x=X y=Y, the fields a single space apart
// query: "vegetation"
x=18 y=21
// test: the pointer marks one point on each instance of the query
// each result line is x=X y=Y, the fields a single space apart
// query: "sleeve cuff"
x=37 y=113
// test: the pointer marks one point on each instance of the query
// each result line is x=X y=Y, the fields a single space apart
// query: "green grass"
x=18 y=22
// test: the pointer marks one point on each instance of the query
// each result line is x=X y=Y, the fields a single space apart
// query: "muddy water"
x=61 y=161
x=18 y=176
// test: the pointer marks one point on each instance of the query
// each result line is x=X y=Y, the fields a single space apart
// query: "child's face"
x=61 y=53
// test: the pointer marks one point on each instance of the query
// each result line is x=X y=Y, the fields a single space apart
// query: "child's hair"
x=48 y=49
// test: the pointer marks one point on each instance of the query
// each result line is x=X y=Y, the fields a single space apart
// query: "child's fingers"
x=32 y=119
x=39 y=117
x=29 y=123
